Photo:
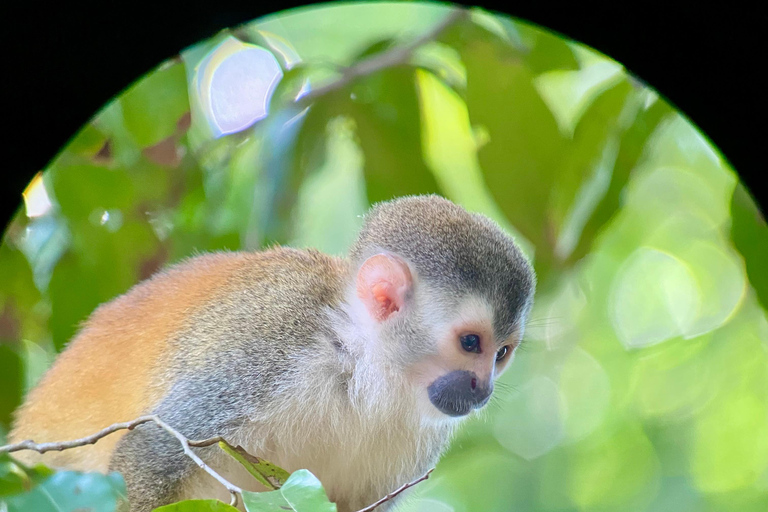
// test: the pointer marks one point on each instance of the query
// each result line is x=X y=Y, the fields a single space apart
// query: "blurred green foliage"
x=39 y=489
x=643 y=381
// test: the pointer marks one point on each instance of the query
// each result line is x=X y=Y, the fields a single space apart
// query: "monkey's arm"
x=153 y=465
x=152 y=461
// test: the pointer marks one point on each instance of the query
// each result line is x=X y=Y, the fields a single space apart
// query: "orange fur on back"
x=107 y=374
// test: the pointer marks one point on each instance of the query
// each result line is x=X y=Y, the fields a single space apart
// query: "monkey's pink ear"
x=382 y=284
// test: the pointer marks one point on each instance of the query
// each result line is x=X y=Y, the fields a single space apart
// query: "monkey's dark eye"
x=502 y=353
x=470 y=343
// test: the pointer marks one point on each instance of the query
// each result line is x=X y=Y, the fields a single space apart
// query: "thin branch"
x=234 y=491
x=394 y=493
x=65 y=445
x=387 y=59
x=186 y=445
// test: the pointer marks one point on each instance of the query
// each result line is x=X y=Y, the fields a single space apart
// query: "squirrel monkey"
x=356 y=369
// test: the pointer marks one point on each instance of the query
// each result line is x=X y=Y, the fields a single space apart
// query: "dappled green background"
x=643 y=382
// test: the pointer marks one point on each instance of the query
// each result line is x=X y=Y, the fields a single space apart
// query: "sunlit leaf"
x=305 y=492
x=750 y=236
x=444 y=62
x=569 y=93
x=88 y=141
x=677 y=364
x=386 y=112
x=450 y=150
x=197 y=506
x=264 y=471
x=302 y=492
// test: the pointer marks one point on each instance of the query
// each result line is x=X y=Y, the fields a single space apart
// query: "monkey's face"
x=445 y=343
x=458 y=376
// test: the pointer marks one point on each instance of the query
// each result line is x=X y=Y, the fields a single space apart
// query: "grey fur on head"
x=453 y=249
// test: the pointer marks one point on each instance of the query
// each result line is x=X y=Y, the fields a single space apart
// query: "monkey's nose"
x=458 y=392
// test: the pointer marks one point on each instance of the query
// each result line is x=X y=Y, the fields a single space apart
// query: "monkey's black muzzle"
x=458 y=392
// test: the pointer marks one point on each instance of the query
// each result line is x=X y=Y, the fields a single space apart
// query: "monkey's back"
x=122 y=362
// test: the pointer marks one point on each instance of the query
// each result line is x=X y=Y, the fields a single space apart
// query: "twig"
x=65 y=445
x=234 y=491
x=394 y=493
x=390 y=58
x=186 y=445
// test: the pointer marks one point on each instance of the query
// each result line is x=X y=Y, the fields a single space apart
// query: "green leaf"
x=750 y=236
x=569 y=93
x=16 y=478
x=70 y=491
x=271 y=501
x=525 y=148
x=154 y=105
x=13 y=479
x=385 y=109
x=87 y=142
x=268 y=474
x=17 y=283
x=302 y=492
x=197 y=506
x=445 y=62
x=450 y=150
x=548 y=50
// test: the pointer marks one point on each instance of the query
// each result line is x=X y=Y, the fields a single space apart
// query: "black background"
x=63 y=61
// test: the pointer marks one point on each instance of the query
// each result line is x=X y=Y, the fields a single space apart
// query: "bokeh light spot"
x=531 y=423
x=655 y=297
x=235 y=82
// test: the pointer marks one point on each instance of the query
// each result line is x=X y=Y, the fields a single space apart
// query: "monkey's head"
x=445 y=293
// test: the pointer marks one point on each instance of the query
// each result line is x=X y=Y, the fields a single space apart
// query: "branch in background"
x=393 y=57
x=234 y=491
x=394 y=493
